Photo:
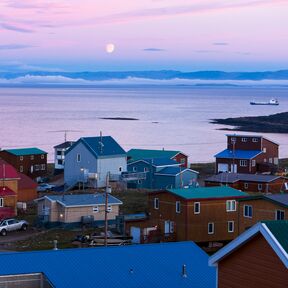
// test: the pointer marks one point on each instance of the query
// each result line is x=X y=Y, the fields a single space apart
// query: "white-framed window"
x=172 y=227
x=253 y=163
x=233 y=140
x=120 y=169
x=178 y=206
x=211 y=228
x=156 y=203
x=264 y=150
x=21 y=158
x=43 y=166
x=21 y=168
x=276 y=161
x=265 y=160
x=230 y=226
x=244 y=139
x=279 y=215
x=32 y=157
x=78 y=157
x=259 y=187
x=95 y=209
x=134 y=169
x=109 y=208
x=37 y=167
x=1 y=202
x=146 y=169
x=182 y=160
x=243 y=163
x=254 y=140
x=230 y=205
x=246 y=185
x=248 y=211
x=197 y=208
x=42 y=156
x=271 y=160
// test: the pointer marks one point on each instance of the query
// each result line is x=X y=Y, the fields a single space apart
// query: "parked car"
x=45 y=186
x=8 y=225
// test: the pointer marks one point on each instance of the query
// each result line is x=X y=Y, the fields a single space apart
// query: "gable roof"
x=82 y=199
x=136 y=154
x=238 y=154
x=26 y=182
x=100 y=146
x=25 y=151
x=207 y=192
x=148 y=265
x=234 y=177
x=64 y=145
x=7 y=171
x=157 y=162
x=173 y=171
x=278 y=199
x=275 y=233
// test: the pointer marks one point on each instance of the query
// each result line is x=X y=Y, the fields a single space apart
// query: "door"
x=135 y=232
x=167 y=227
x=233 y=168
x=222 y=167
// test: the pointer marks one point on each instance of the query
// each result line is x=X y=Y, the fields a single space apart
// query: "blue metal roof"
x=150 y=265
x=83 y=199
x=238 y=154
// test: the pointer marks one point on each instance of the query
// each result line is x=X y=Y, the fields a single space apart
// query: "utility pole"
x=233 y=160
x=107 y=191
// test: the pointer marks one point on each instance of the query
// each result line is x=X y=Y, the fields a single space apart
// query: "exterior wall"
x=59 y=157
x=8 y=202
x=240 y=145
x=261 y=210
x=140 y=166
x=31 y=167
x=49 y=209
x=254 y=264
x=240 y=169
x=10 y=183
x=181 y=158
x=26 y=195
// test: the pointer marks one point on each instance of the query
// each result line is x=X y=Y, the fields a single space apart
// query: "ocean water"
x=169 y=117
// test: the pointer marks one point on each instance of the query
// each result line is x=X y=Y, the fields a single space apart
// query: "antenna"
x=65 y=132
x=101 y=143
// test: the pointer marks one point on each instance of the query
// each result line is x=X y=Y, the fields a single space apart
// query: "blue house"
x=161 y=173
x=181 y=264
x=91 y=158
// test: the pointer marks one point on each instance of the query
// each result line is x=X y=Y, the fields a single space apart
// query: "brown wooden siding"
x=239 y=145
x=255 y=264
x=179 y=158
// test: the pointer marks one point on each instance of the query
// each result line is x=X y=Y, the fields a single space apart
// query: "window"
x=259 y=187
x=134 y=169
x=233 y=140
x=178 y=206
x=21 y=168
x=246 y=185
x=43 y=166
x=243 y=163
x=156 y=203
x=279 y=215
x=109 y=209
x=37 y=167
x=32 y=157
x=1 y=202
x=254 y=140
x=171 y=227
x=210 y=228
x=182 y=160
x=253 y=163
x=59 y=153
x=230 y=226
x=197 y=208
x=276 y=161
x=247 y=211
x=264 y=149
x=42 y=156
x=21 y=158
x=78 y=157
x=139 y=181
x=120 y=169
x=271 y=160
x=146 y=169
x=95 y=209
x=60 y=162
x=230 y=205
x=265 y=160
x=244 y=139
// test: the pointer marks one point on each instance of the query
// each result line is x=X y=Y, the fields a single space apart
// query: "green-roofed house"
x=203 y=214
x=257 y=258
x=140 y=154
x=29 y=161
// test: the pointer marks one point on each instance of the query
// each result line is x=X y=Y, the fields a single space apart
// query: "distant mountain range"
x=145 y=77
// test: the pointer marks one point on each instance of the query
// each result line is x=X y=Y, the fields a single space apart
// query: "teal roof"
x=279 y=229
x=137 y=154
x=207 y=192
x=26 y=151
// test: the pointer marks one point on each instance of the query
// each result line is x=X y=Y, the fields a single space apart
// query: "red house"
x=248 y=154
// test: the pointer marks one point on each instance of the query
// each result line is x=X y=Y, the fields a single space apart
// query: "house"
x=76 y=209
x=253 y=209
x=257 y=258
x=247 y=154
x=91 y=158
x=27 y=189
x=161 y=173
x=203 y=214
x=249 y=182
x=138 y=154
x=156 y=265
x=30 y=161
x=59 y=154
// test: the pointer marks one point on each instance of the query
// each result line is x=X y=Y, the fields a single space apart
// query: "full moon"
x=110 y=48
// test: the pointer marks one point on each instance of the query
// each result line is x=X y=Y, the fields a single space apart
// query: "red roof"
x=7 y=171
x=5 y=191
x=26 y=182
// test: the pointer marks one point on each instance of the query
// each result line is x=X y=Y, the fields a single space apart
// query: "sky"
x=186 y=35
